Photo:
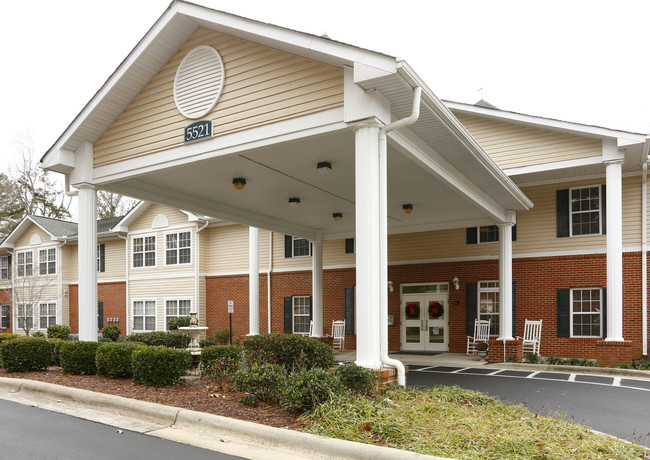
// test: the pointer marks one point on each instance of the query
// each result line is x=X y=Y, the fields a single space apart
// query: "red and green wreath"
x=436 y=310
x=412 y=311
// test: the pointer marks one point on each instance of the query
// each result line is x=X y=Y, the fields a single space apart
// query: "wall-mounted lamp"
x=324 y=167
x=407 y=208
x=456 y=282
x=390 y=286
x=294 y=202
x=239 y=183
x=337 y=216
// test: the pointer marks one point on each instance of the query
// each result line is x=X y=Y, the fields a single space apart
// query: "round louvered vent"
x=198 y=82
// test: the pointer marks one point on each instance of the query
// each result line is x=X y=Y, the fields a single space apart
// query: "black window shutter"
x=603 y=208
x=288 y=246
x=562 y=212
x=288 y=315
x=100 y=315
x=514 y=308
x=604 y=315
x=470 y=307
x=349 y=245
x=514 y=232
x=311 y=309
x=349 y=309
x=563 y=313
x=472 y=238
x=102 y=257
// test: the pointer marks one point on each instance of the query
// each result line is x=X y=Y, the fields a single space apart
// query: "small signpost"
x=231 y=309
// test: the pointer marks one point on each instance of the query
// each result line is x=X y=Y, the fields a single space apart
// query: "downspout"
x=126 y=282
x=197 y=271
x=268 y=283
x=644 y=256
x=383 y=234
x=67 y=190
x=60 y=285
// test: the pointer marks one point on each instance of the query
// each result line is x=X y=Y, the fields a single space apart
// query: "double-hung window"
x=5 y=268
x=47 y=261
x=175 y=308
x=5 y=316
x=488 y=234
x=144 y=315
x=24 y=264
x=178 y=248
x=25 y=316
x=488 y=304
x=585 y=212
x=301 y=314
x=144 y=251
x=46 y=314
x=586 y=312
x=301 y=247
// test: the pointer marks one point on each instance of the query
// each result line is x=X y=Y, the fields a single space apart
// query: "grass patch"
x=463 y=424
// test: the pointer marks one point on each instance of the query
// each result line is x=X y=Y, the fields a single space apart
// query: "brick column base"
x=612 y=353
x=388 y=375
x=513 y=351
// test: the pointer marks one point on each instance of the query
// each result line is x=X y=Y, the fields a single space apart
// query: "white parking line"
x=616 y=382
x=572 y=378
x=532 y=375
x=458 y=370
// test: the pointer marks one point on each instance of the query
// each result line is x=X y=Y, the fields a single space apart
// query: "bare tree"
x=111 y=204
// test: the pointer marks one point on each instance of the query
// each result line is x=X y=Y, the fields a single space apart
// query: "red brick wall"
x=114 y=297
x=5 y=299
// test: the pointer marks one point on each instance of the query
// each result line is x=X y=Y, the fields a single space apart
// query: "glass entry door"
x=425 y=322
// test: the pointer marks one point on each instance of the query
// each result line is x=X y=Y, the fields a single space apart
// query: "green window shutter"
x=603 y=208
x=562 y=212
x=288 y=315
x=349 y=309
x=471 y=294
x=514 y=308
x=603 y=316
x=472 y=238
x=563 y=313
x=349 y=245
x=288 y=246
x=100 y=315
x=102 y=257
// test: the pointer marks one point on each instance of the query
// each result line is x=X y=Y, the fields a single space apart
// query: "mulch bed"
x=195 y=394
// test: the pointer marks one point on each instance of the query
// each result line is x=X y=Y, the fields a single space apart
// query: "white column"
x=317 y=288
x=367 y=243
x=87 y=258
x=613 y=172
x=254 y=281
x=505 y=280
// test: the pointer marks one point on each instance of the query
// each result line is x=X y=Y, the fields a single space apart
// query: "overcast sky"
x=581 y=61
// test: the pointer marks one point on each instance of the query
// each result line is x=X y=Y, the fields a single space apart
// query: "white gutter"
x=126 y=277
x=644 y=257
x=67 y=190
x=196 y=271
x=383 y=235
x=268 y=282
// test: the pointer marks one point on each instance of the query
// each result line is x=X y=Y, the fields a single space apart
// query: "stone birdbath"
x=194 y=331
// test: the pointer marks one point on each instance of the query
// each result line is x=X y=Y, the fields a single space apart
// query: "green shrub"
x=309 y=387
x=581 y=362
x=357 y=379
x=25 y=354
x=623 y=366
x=554 y=360
x=111 y=332
x=39 y=334
x=160 y=338
x=643 y=365
x=5 y=337
x=78 y=357
x=159 y=365
x=293 y=352
x=58 y=331
x=180 y=321
x=532 y=358
x=114 y=358
x=222 y=337
x=56 y=348
x=266 y=381
x=204 y=343
x=220 y=361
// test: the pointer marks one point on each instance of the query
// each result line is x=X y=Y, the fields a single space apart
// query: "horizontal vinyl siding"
x=261 y=86
x=24 y=239
x=70 y=262
x=227 y=249
x=514 y=146
x=115 y=260
x=632 y=212
x=175 y=217
x=65 y=306
x=160 y=290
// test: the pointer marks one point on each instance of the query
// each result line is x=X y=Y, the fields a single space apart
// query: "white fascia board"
x=282 y=131
x=179 y=200
x=21 y=228
x=624 y=137
x=61 y=161
x=136 y=211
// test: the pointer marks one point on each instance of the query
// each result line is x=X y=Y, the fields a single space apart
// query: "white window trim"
x=144 y=316
x=47 y=261
x=293 y=313
x=478 y=300
x=176 y=232
x=18 y=317
x=600 y=211
x=478 y=235
x=99 y=256
x=56 y=314
x=176 y=299
x=144 y=267
x=24 y=264
x=2 y=267
x=586 y=288
x=293 y=247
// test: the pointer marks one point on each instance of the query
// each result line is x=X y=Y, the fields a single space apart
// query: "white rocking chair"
x=532 y=338
x=338 y=335
x=481 y=335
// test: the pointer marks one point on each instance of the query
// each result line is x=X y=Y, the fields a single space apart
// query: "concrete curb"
x=215 y=426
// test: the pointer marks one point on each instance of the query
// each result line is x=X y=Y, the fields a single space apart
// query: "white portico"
x=287 y=102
